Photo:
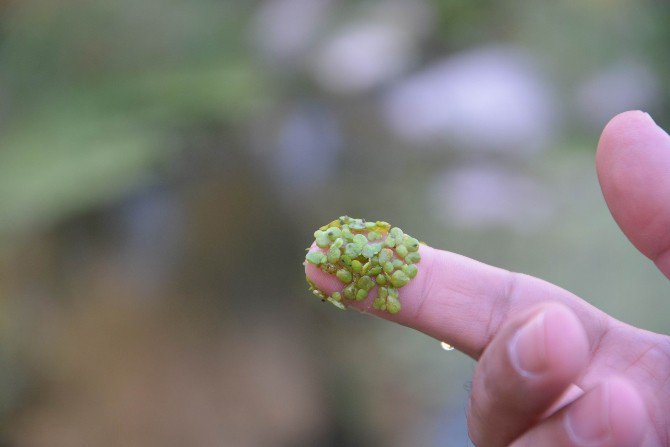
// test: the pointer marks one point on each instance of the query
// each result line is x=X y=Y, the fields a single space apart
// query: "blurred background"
x=163 y=164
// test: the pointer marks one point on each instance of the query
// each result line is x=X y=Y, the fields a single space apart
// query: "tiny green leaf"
x=361 y=240
x=370 y=250
x=385 y=255
x=373 y=236
x=411 y=244
x=361 y=294
x=336 y=302
x=376 y=270
x=357 y=224
x=333 y=255
x=397 y=233
x=413 y=258
x=410 y=270
x=381 y=279
x=334 y=233
x=401 y=250
x=323 y=241
x=365 y=282
x=353 y=250
x=344 y=275
x=338 y=243
x=392 y=305
x=399 y=279
x=315 y=257
x=349 y=292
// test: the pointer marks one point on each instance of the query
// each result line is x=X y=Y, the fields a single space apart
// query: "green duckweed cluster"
x=363 y=255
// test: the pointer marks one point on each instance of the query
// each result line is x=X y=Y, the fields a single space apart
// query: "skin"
x=552 y=369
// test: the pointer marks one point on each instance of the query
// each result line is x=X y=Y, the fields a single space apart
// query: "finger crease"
x=426 y=289
x=500 y=308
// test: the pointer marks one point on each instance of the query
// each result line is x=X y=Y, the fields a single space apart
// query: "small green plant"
x=364 y=255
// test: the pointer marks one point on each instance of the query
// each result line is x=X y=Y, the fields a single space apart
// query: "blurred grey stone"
x=152 y=237
x=298 y=148
x=309 y=143
x=488 y=196
x=625 y=86
x=491 y=99
x=284 y=30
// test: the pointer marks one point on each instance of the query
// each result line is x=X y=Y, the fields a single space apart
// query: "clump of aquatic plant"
x=364 y=255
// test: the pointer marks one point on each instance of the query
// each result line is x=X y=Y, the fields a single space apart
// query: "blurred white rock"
x=374 y=49
x=361 y=57
x=284 y=30
x=487 y=196
x=490 y=99
x=625 y=86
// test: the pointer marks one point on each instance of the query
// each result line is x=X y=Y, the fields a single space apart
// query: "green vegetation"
x=364 y=255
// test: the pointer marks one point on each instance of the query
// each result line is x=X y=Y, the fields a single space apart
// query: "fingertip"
x=629 y=118
x=410 y=294
x=552 y=344
x=611 y=414
x=567 y=342
x=322 y=280
x=627 y=413
x=619 y=131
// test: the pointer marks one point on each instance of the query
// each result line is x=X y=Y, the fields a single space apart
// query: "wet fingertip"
x=552 y=340
x=566 y=340
x=587 y=421
x=627 y=413
x=322 y=280
x=527 y=349
x=611 y=414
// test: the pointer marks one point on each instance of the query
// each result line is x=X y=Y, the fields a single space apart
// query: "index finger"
x=463 y=302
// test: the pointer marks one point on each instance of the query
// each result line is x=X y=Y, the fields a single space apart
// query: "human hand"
x=552 y=369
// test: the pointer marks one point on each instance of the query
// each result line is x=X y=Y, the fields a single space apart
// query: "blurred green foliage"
x=94 y=105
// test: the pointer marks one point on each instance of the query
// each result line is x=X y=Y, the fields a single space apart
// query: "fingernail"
x=648 y=116
x=527 y=348
x=587 y=420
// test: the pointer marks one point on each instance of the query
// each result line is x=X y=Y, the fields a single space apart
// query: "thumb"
x=633 y=162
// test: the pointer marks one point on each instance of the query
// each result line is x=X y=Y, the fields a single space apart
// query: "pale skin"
x=552 y=369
